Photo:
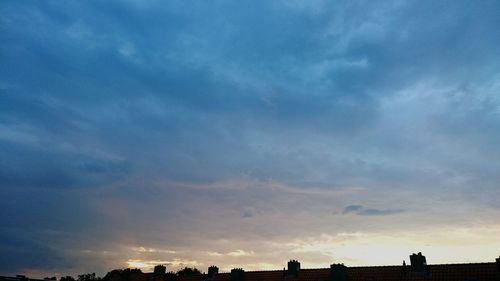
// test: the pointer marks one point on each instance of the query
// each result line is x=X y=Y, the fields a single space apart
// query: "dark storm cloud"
x=35 y=167
x=117 y=115
x=32 y=254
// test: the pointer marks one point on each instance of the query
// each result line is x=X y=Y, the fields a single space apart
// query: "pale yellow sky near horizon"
x=458 y=245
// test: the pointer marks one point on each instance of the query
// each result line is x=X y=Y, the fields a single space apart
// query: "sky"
x=247 y=133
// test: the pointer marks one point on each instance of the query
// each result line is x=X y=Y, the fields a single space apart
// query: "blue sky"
x=246 y=133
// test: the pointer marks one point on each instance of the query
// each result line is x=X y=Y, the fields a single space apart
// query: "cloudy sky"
x=247 y=133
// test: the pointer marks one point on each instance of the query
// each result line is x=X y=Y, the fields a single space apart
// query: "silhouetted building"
x=237 y=274
x=418 y=263
x=18 y=278
x=293 y=268
x=213 y=271
x=160 y=269
x=338 y=272
x=418 y=270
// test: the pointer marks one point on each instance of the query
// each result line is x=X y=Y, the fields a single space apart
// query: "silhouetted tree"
x=121 y=274
x=187 y=271
x=87 y=277
x=67 y=278
x=115 y=273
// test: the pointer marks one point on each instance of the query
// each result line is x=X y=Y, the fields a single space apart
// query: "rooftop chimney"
x=404 y=268
x=338 y=272
x=293 y=268
x=418 y=263
x=160 y=269
x=498 y=263
x=213 y=271
x=237 y=274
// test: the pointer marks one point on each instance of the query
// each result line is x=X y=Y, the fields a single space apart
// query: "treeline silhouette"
x=126 y=274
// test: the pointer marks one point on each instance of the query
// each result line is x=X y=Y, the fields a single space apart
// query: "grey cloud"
x=352 y=209
x=379 y=212
x=363 y=211
x=26 y=166
x=26 y=253
x=248 y=212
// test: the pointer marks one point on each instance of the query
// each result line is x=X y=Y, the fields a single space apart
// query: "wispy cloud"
x=152 y=250
x=363 y=211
